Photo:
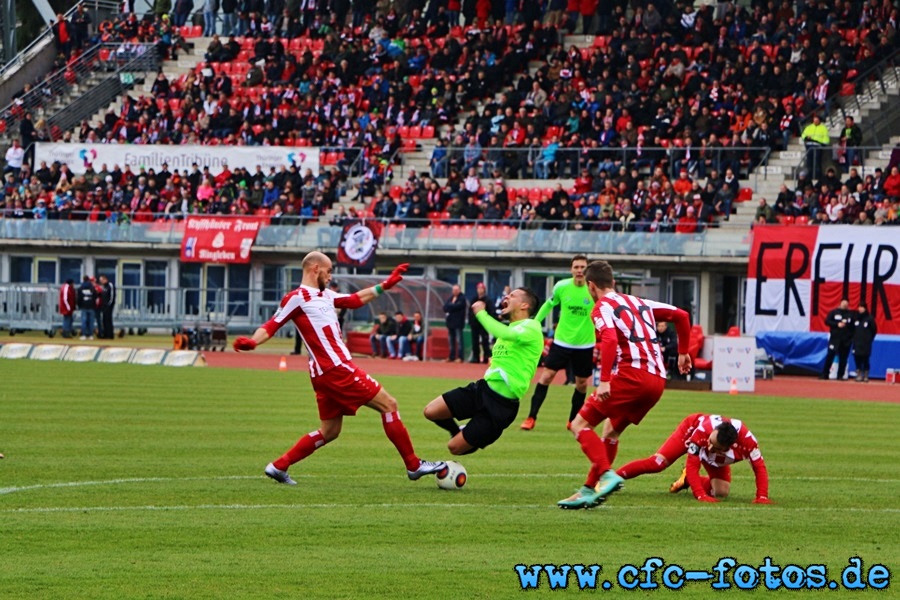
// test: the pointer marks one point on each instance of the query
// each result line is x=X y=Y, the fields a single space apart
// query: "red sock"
x=652 y=464
x=612 y=448
x=305 y=446
x=593 y=476
x=399 y=436
x=707 y=485
x=595 y=450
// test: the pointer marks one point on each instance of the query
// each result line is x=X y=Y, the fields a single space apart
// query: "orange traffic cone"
x=733 y=390
x=282 y=364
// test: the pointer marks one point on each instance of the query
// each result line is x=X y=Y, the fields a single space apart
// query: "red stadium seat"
x=403 y=130
x=415 y=132
x=428 y=131
x=196 y=31
x=694 y=347
x=802 y=220
x=745 y=194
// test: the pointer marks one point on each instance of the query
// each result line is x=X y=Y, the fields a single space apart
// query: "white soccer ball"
x=452 y=477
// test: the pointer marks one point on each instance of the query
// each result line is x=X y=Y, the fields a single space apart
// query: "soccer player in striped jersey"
x=340 y=386
x=632 y=376
x=715 y=442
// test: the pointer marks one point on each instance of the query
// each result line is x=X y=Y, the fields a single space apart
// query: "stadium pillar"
x=9 y=30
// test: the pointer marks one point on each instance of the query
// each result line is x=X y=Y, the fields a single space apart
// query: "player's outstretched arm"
x=368 y=294
x=692 y=473
x=762 y=478
x=245 y=344
x=547 y=307
x=491 y=325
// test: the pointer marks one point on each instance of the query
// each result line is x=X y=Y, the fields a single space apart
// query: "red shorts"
x=632 y=393
x=723 y=472
x=342 y=390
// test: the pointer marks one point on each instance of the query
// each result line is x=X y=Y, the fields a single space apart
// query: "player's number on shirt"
x=645 y=314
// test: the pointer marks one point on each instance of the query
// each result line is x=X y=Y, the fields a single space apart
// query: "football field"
x=125 y=481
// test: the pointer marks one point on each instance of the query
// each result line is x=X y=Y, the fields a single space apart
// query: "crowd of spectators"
x=851 y=200
x=122 y=196
x=656 y=122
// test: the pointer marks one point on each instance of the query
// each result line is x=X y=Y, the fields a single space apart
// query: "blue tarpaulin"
x=807 y=351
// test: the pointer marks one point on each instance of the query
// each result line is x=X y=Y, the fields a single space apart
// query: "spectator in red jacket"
x=687 y=223
x=67 y=307
x=892 y=183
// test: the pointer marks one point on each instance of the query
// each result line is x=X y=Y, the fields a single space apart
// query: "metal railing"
x=34 y=306
x=44 y=37
x=878 y=77
x=49 y=94
x=863 y=158
x=530 y=163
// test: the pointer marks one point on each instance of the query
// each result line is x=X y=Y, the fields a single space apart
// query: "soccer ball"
x=452 y=477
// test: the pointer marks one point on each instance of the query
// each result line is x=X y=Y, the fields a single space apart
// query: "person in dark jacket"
x=384 y=328
x=840 y=321
x=668 y=343
x=398 y=343
x=455 y=318
x=107 y=304
x=864 y=332
x=481 y=341
x=87 y=303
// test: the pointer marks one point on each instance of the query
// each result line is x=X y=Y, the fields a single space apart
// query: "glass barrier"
x=423 y=236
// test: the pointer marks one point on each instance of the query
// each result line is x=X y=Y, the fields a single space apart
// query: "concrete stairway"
x=173 y=69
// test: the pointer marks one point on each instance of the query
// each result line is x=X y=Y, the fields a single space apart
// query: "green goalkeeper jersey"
x=575 y=328
x=515 y=355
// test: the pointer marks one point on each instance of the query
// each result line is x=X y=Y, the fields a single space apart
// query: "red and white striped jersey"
x=697 y=442
x=313 y=314
x=633 y=320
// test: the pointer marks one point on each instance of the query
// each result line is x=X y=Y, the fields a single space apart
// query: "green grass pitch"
x=146 y=482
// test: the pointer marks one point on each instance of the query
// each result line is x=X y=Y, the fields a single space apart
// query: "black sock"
x=448 y=424
x=540 y=394
x=577 y=403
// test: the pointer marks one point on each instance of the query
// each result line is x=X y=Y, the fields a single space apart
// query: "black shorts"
x=488 y=412
x=582 y=359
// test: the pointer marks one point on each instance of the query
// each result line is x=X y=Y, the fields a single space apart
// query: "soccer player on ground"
x=491 y=403
x=573 y=340
x=626 y=331
x=714 y=442
x=341 y=387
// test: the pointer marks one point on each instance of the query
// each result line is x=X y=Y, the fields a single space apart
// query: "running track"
x=782 y=385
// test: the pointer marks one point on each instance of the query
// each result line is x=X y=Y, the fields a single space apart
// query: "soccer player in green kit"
x=573 y=340
x=492 y=403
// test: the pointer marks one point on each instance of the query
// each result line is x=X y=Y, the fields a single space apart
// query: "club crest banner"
x=359 y=241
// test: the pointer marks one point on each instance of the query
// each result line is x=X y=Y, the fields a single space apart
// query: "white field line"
x=238 y=507
x=74 y=484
